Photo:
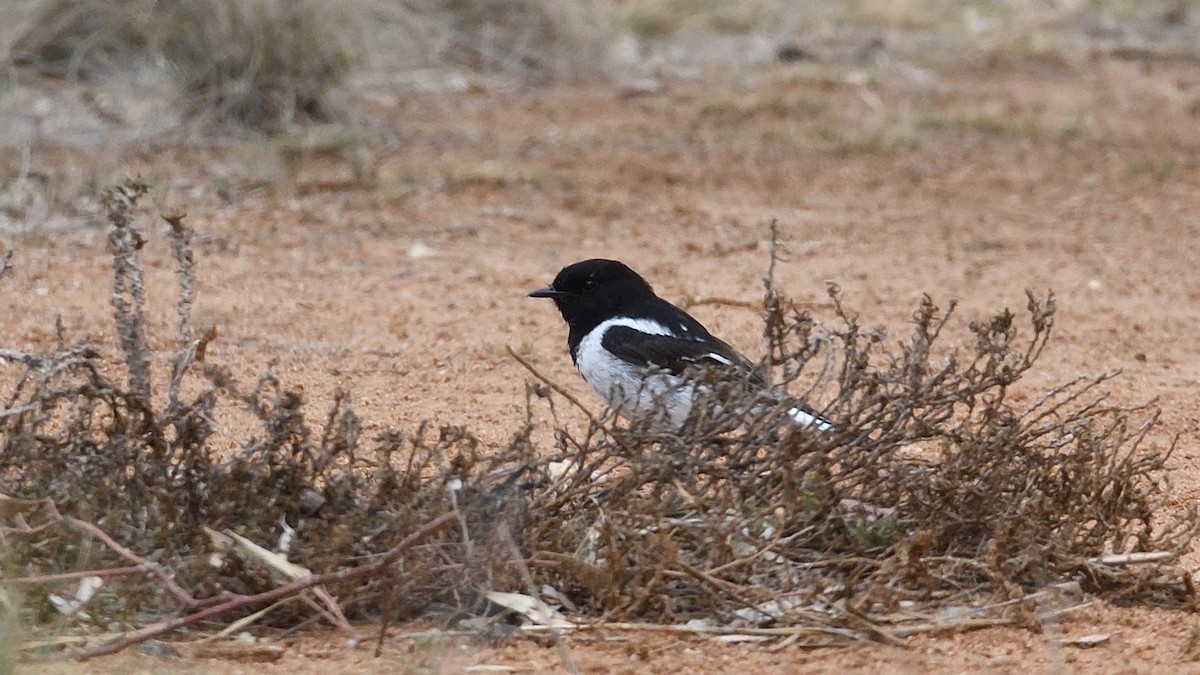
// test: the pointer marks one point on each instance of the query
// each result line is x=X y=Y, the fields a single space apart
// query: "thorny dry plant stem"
x=129 y=291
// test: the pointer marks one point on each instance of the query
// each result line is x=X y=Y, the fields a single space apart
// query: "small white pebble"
x=858 y=78
x=1095 y=284
x=420 y=250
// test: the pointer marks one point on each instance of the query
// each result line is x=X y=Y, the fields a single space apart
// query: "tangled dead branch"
x=935 y=487
x=937 y=494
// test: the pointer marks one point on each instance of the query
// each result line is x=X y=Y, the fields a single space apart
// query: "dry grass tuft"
x=84 y=38
x=936 y=495
x=259 y=63
x=534 y=40
x=265 y=64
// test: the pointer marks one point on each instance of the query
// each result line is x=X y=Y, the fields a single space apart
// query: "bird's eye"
x=589 y=285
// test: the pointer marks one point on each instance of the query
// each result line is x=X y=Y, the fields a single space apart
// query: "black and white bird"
x=634 y=348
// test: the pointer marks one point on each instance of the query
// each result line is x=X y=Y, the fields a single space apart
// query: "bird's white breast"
x=627 y=388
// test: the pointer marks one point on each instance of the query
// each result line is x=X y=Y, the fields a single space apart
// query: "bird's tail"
x=809 y=418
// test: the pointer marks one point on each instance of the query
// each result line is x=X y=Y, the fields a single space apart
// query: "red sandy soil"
x=972 y=185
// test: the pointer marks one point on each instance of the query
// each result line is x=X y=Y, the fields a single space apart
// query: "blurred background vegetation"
x=95 y=89
x=268 y=64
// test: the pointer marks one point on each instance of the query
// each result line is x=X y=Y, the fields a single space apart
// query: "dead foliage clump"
x=82 y=39
x=124 y=479
x=257 y=63
x=935 y=490
x=532 y=40
x=260 y=63
x=936 y=494
x=266 y=64
x=937 y=501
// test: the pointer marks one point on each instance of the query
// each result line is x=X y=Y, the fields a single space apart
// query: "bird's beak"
x=547 y=292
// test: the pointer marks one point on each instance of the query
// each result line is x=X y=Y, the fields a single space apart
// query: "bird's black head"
x=591 y=291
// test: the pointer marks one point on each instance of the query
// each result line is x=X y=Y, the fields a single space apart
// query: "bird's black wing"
x=671 y=353
x=677 y=354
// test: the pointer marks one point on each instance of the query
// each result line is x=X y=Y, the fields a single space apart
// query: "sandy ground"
x=406 y=289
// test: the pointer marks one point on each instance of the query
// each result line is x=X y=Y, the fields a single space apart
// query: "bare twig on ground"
x=285 y=591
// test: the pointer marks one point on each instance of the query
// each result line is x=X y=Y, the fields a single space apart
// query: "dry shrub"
x=259 y=63
x=268 y=63
x=84 y=38
x=538 y=39
x=933 y=487
x=144 y=465
x=934 y=495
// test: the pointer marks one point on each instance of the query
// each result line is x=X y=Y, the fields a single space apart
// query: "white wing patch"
x=718 y=358
x=685 y=333
x=649 y=326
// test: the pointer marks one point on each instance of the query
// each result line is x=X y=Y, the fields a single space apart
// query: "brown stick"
x=297 y=586
x=146 y=565
x=69 y=576
x=550 y=383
